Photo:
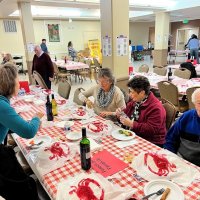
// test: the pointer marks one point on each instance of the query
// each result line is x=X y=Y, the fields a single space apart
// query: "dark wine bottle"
x=85 y=151
x=49 y=109
x=55 y=58
x=65 y=59
x=170 y=74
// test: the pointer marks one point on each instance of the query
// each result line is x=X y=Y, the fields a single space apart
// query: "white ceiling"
x=140 y=11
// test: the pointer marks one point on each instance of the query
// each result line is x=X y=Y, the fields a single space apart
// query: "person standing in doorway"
x=43 y=65
x=193 y=45
x=43 y=46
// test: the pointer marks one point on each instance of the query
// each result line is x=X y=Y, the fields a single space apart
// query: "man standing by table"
x=43 y=65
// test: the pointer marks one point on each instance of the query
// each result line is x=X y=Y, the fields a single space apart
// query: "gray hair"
x=194 y=94
x=106 y=72
x=37 y=47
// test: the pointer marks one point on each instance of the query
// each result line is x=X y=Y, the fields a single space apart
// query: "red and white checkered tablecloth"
x=73 y=167
x=71 y=65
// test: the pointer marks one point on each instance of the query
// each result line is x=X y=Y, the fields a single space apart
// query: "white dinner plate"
x=29 y=98
x=62 y=124
x=44 y=140
x=73 y=135
x=117 y=135
x=39 y=102
x=154 y=186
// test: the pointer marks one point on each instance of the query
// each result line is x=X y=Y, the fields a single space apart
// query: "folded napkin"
x=122 y=144
x=91 y=186
x=24 y=108
x=54 y=156
x=94 y=146
x=172 y=167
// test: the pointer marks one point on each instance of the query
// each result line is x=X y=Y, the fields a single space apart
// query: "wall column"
x=161 y=39
x=26 y=21
x=115 y=23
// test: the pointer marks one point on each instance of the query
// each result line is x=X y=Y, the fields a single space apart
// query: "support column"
x=26 y=21
x=161 y=39
x=115 y=23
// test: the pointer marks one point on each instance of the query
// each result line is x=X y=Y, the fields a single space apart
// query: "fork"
x=159 y=192
x=36 y=145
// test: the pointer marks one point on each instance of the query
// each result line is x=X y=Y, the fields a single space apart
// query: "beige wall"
x=79 y=32
x=139 y=32
x=11 y=42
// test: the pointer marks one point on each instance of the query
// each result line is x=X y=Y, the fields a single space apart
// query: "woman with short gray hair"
x=107 y=96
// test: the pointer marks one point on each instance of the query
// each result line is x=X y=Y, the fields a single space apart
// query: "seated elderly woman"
x=8 y=58
x=107 y=96
x=9 y=119
x=145 y=114
x=183 y=138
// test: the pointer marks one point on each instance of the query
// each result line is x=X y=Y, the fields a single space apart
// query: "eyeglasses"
x=103 y=81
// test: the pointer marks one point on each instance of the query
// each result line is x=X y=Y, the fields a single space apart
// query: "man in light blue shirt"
x=193 y=45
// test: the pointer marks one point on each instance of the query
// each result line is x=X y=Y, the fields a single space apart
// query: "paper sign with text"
x=107 y=164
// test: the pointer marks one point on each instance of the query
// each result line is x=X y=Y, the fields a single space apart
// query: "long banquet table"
x=182 y=84
x=71 y=65
x=73 y=167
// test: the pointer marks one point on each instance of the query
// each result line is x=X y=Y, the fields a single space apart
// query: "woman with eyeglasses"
x=145 y=114
x=107 y=96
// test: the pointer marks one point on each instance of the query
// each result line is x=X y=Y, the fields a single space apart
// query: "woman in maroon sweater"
x=43 y=65
x=145 y=114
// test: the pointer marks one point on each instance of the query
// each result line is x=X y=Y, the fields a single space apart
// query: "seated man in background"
x=183 y=138
x=145 y=114
x=107 y=96
x=7 y=59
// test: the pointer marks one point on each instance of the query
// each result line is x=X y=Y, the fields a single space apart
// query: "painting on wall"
x=53 y=31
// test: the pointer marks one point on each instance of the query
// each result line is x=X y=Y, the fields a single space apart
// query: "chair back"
x=169 y=91
x=96 y=63
x=144 y=68
x=76 y=98
x=182 y=73
x=190 y=67
x=189 y=92
x=162 y=71
x=55 y=67
x=88 y=62
x=38 y=78
x=122 y=83
x=170 y=112
x=76 y=59
x=81 y=60
x=64 y=88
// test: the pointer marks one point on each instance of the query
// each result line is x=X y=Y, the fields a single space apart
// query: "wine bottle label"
x=87 y=155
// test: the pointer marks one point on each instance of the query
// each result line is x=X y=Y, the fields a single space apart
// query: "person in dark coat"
x=43 y=65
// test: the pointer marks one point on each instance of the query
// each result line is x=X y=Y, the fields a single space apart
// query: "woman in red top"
x=145 y=114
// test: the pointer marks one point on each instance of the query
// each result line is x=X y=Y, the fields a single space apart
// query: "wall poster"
x=122 y=45
x=53 y=32
x=107 y=46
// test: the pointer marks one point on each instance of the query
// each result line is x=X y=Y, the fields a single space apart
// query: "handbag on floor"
x=14 y=183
